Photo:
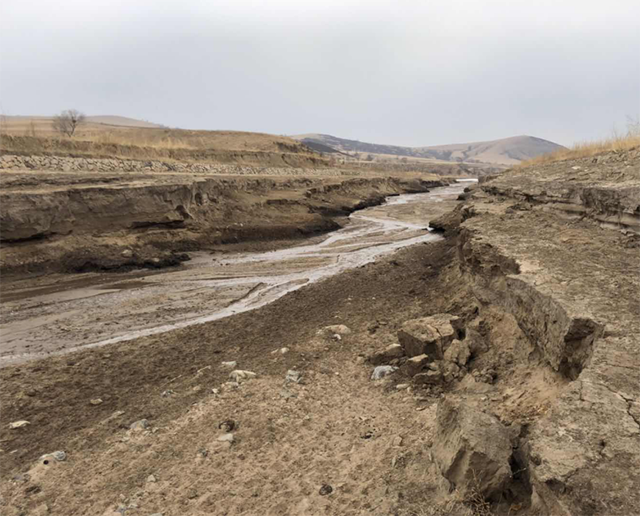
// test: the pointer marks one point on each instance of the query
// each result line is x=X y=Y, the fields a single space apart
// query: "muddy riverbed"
x=62 y=312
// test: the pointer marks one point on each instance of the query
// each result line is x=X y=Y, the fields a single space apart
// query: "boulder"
x=428 y=335
x=391 y=352
x=472 y=449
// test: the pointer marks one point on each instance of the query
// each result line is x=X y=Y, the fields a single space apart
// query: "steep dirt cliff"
x=555 y=249
x=90 y=225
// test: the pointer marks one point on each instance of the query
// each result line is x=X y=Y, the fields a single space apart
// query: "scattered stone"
x=229 y=365
x=402 y=386
x=416 y=364
x=487 y=375
x=19 y=424
x=428 y=378
x=200 y=372
x=397 y=441
x=58 y=456
x=95 y=401
x=139 y=425
x=282 y=351
x=127 y=253
x=325 y=490
x=215 y=391
x=226 y=438
x=227 y=425
x=360 y=360
x=239 y=375
x=450 y=371
x=382 y=371
x=336 y=329
x=167 y=393
x=230 y=385
x=386 y=355
x=152 y=479
x=458 y=353
x=293 y=376
x=472 y=449
x=196 y=388
x=428 y=335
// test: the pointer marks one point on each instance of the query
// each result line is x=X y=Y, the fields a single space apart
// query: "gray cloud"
x=403 y=72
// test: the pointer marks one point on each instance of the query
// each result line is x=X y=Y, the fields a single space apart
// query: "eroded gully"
x=60 y=316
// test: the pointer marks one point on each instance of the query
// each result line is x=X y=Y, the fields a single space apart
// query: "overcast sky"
x=421 y=72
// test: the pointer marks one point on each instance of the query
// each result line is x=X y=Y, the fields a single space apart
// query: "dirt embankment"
x=66 y=154
x=149 y=220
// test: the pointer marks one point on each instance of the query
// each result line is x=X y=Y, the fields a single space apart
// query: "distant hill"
x=121 y=121
x=506 y=152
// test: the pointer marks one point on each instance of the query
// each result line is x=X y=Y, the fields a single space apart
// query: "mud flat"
x=515 y=339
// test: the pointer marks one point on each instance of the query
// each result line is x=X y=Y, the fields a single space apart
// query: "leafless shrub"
x=68 y=121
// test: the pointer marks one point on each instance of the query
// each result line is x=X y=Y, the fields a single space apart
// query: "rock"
x=152 y=478
x=139 y=425
x=226 y=438
x=402 y=386
x=458 y=353
x=58 y=456
x=229 y=365
x=167 y=393
x=415 y=365
x=227 y=425
x=386 y=355
x=325 y=490
x=397 y=441
x=95 y=401
x=19 y=424
x=471 y=449
x=487 y=375
x=428 y=335
x=240 y=376
x=293 y=376
x=428 y=378
x=450 y=371
x=336 y=329
x=281 y=351
x=382 y=371
x=127 y=253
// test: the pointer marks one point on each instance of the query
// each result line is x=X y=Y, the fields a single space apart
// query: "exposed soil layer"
x=92 y=221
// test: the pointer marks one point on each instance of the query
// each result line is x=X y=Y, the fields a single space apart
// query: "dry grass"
x=156 y=138
x=615 y=143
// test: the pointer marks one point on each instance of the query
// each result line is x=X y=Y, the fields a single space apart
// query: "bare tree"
x=68 y=121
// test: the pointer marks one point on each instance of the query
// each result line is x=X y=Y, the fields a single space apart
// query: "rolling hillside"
x=506 y=152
